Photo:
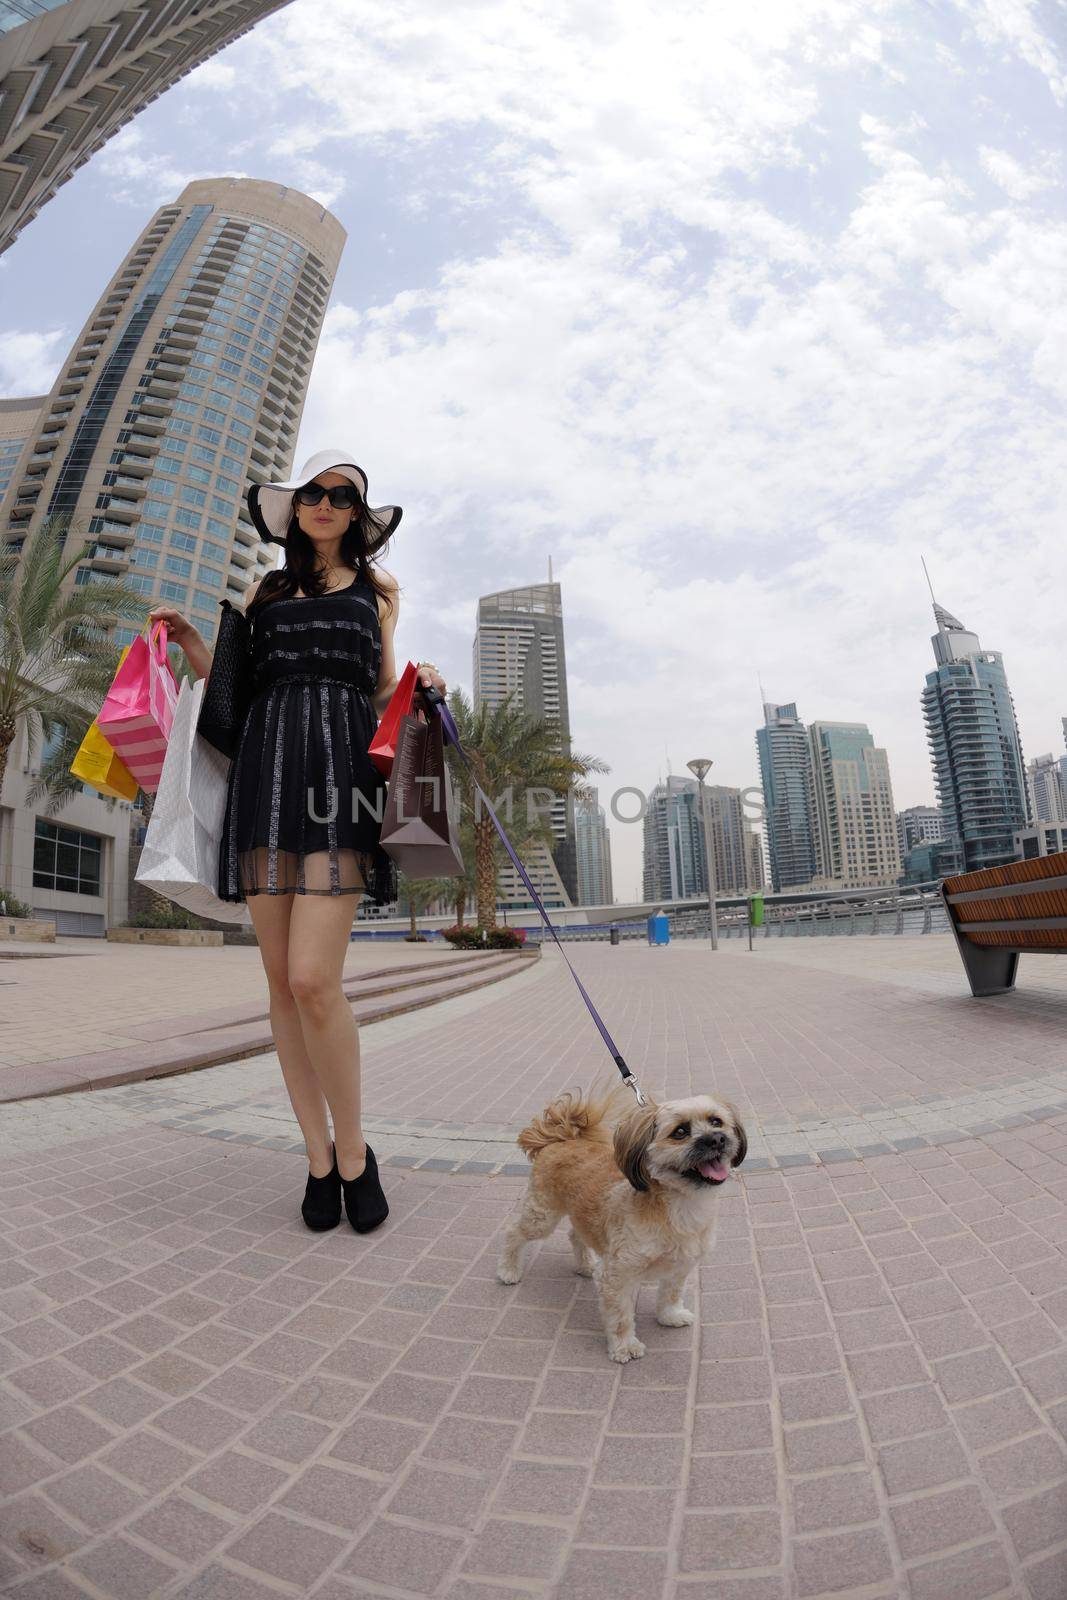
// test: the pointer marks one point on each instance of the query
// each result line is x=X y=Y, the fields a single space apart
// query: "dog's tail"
x=590 y=1116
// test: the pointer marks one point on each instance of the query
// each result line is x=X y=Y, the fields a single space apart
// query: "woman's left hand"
x=428 y=674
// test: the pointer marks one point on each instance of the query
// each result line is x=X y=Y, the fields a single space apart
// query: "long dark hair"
x=302 y=571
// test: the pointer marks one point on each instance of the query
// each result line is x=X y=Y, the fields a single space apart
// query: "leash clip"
x=631 y=1082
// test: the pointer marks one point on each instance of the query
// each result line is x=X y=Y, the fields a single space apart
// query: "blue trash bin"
x=659 y=929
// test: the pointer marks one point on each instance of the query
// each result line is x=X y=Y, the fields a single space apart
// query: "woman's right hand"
x=180 y=630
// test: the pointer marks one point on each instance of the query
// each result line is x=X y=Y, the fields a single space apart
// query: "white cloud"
x=29 y=360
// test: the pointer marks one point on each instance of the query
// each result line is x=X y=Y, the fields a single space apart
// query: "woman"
x=304 y=804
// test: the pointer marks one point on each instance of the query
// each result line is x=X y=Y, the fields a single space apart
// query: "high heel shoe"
x=322 y=1200
x=365 y=1202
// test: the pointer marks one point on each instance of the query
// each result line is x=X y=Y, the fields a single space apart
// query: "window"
x=227 y=386
x=220 y=529
x=156 y=508
x=150 y=530
x=182 y=541
x=213 y=552
x=239 y=429
x=210 y=435
x=243 y=322
x=248 y=412
x=187 y=519
x=193 y=497
x=161 y=486
x=200 y=454
x=260 y=366
x=201 y=597
x=66 y=858
x=149 y=559
x=198 y=475
x=195 y=390
x=174 y=591
x=178 y=427
x=217 y=417
x=235 y=350
x=204 y=343
x=232 y=367
x=225 y=508
x=169 y=464
x=247 y=392
x=180 y=567
x=186 y=408
x=232 y=463
x=227 y=485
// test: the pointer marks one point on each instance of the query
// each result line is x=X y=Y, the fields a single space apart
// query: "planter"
x=199 y=937
x=36 y=932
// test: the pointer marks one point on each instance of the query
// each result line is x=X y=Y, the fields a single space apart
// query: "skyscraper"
x=919 y=825
x=519 y=649
x=852 y=805
x=593 y=849
x=1046 y=779
x=975 y=748
x=187 y=382
x=785 y=769
x=675 y=853
x=73 y=72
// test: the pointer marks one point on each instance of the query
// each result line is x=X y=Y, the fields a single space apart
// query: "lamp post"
x=700 y=769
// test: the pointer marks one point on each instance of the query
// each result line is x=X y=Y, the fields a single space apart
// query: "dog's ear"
x=633 y=1136
x=739 y=1129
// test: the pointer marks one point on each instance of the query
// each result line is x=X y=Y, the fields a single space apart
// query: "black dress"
x=304 y=803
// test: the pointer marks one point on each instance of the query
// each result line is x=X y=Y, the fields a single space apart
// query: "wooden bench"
x=1001 y=913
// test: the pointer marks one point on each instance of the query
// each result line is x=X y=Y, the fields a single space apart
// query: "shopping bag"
x=382 y=748
x=180 y=854
x=419 y=824
x=97 y=765
x=137 y=714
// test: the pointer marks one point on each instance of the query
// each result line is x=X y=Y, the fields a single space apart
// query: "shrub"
x=468 y=938
x=168 y=916
x=15 y=906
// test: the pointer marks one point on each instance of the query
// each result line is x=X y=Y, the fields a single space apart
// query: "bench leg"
x=990 y=970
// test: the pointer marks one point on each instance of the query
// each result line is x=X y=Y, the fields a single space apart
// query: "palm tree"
x=56 y=658
x=506 y=748
x=421 y=892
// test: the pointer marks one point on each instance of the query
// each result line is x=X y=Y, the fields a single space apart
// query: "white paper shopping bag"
x=179 y=858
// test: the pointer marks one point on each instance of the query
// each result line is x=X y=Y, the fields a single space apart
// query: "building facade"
x=979 y=772
x=785 y=769
x=852 y=806
x=1046 y=782
x=675 y=852
x=593 y=849
x=73 y=72
x=919 y=825
x=186 y=383
x=519 y=650
x=1042 y=839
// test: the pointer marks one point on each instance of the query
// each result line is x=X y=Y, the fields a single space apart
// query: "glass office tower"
x=186 y=383
x=974 y=744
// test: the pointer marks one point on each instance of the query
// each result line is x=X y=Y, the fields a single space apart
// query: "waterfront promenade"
x=200 y=1399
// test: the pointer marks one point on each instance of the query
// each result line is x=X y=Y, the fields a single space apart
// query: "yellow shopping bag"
x=97 y=764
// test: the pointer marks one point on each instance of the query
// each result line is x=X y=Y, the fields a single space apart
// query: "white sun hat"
x=270 y=505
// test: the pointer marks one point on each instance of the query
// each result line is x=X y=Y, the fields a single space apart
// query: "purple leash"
x=435 y=699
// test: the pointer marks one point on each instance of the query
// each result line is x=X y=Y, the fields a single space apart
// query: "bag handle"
x=435 y=700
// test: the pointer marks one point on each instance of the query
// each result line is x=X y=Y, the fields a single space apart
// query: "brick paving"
x=201 y=1399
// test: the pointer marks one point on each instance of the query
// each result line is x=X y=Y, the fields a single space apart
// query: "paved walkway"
x=201 y=1399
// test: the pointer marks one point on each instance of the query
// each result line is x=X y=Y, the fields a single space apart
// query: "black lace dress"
x=304 y=803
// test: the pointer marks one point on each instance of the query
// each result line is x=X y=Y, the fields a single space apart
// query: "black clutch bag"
x=228 y=690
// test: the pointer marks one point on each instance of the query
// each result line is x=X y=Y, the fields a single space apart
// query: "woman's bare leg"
x=318 y=942
x=271 y=915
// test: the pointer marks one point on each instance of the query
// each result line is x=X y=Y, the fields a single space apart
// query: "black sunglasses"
x=343 y=498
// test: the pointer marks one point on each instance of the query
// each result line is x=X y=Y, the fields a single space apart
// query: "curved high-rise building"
x=186 y=383
x=976 y=751
x=73 y=72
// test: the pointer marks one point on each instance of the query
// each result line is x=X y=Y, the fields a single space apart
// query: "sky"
x=733 y=312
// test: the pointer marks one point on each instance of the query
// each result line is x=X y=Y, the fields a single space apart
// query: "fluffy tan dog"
x=639 y=1185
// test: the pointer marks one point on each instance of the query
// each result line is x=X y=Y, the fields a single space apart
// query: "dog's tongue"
x=718 y=1170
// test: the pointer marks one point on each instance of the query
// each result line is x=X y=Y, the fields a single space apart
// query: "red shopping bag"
x=137 y=713
x=382 y=748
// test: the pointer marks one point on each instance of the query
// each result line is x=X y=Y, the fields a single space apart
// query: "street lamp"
x=700 y=769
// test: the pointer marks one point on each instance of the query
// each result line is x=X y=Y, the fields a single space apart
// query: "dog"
x=639 y=1185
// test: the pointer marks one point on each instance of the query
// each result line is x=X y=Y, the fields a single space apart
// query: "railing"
x=908 y=914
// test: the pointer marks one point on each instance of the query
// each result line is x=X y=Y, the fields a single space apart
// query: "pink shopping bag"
x=137 y=714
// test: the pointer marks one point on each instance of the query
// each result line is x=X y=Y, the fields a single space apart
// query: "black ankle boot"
x=322 y=1200
x=365 y=1203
